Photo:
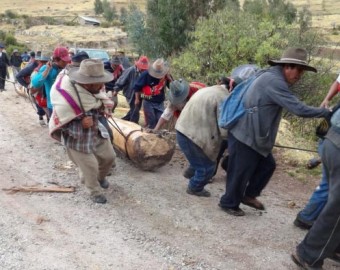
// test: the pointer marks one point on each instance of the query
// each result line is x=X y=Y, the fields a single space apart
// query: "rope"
x=295 y=148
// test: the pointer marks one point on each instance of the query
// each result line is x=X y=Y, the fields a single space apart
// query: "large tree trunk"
x=148 y=151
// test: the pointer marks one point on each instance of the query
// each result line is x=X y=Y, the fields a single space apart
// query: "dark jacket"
x=15 y=60
x=4 y=62
x=268 y=95
x=127 y=81
x=26 y=72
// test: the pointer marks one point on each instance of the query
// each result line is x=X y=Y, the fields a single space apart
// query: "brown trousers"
x=95 y=166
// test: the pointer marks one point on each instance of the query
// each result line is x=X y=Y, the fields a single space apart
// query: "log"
x=59 y=189
x=148 y=151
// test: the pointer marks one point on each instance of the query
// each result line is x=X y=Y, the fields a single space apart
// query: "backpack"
x=232 y=109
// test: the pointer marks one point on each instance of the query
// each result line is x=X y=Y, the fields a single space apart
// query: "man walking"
x=78 y=103
x=4 y=63
x=250 y=142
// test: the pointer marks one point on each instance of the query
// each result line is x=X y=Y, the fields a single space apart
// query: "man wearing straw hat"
x=251 y=140
x=78 y=103
x=151 y=88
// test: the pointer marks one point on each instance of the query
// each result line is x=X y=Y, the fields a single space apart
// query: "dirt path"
x=149 y=221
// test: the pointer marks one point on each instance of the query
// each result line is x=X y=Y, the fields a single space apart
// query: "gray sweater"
x=269 y=94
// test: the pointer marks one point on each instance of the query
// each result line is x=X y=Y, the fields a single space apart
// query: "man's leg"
x=88 y=165
x=316 y=203
x=323 y=238
x=261 y=177
x=203 y=166
x=242 y=165
x=106 y=157
x=149 y=114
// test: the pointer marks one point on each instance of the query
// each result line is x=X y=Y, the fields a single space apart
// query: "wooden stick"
x=59 y=189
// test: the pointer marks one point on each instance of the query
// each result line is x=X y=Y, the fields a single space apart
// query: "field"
x=326 y=15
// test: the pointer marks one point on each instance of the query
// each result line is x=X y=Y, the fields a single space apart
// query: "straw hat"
x=159 y=68
x=90 y=71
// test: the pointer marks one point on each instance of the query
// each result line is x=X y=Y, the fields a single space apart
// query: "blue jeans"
x=318 y=199
x=204 y=167
x=152 y=112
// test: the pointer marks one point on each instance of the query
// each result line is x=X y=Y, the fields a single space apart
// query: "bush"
x=11 y=14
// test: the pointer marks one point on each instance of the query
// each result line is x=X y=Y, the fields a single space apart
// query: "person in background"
x=49 y=72
x=15 y=62
x=150 y=87
x=251 y=140
x=77 y=105
x=126 y=83
x=4 y=63
x=25 y=57
x=179 y=94
x=24 y=78
x=124 y=60
x=307 y=216
x=116 y=68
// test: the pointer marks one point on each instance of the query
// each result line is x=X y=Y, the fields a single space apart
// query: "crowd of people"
x=77 y=94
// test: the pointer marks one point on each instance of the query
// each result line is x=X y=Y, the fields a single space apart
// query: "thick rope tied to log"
x=126 y=137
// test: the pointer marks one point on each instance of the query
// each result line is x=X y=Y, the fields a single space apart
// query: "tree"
x=98 y=7
x=110 y=12
x=123 y=15
x=135 y=27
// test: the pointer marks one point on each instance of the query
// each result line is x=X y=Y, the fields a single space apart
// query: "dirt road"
x=149 y=221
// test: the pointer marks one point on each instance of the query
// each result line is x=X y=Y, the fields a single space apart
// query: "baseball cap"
x=62 y=53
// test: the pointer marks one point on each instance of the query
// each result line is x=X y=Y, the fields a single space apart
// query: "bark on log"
x=148 y=151
x=59 y=189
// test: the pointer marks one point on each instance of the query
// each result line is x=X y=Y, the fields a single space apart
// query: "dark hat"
x=80 y=56
x=2 y=46
x=179 y=91
x=297 y=56
x=115 y=61
x=32 y=54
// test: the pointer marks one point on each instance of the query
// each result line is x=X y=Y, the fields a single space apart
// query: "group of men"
x=77 y=105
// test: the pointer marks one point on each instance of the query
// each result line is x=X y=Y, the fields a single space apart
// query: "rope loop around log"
x=126 y=138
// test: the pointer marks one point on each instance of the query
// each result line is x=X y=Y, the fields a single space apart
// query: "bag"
x=232 y=109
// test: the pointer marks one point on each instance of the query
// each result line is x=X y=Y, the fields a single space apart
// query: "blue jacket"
x=38 y=81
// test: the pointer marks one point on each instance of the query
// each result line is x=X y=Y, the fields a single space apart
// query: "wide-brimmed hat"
x=15 y=50
x=179 y=91
x=2 y=46
x=159 y=68
x=62 y=53
x=79 y=57
x=115 y=61
x=45 y=57
x=90 y=71
x=297 y=56
x=142 y=63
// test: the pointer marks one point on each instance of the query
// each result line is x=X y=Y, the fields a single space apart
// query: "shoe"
x=202 y=193
x=234 y=211
x=302 y=264
x=301 y=224
x=104 y=184
x=42 y=122
x=253 y=202
x=188 y=173
x=99 y=199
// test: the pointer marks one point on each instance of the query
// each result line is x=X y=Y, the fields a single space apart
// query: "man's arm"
x=333 y=90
